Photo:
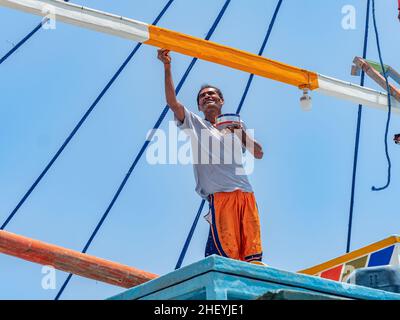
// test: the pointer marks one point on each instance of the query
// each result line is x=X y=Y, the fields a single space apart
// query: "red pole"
x=72 y=261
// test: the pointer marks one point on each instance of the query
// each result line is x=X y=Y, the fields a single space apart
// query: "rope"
x=139 y=155
x=190 y=236
x=357 y=142
x=192 y=229
x=77 y=127
x=25 y=39
x=389 y=102
x=260 y=53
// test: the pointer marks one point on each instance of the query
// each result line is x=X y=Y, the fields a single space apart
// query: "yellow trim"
x=234 y=58
x=351 y=255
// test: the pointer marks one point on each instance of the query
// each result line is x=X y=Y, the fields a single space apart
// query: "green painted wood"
x=388 y=69
x=377 y=65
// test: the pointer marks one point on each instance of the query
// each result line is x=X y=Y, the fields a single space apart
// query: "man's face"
x=210 y=101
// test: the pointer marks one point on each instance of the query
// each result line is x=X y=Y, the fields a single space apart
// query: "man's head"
x=210 y=101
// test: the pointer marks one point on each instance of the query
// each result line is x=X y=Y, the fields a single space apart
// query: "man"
x=233 y=216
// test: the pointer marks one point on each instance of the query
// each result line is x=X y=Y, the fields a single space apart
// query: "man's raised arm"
x=173 y=103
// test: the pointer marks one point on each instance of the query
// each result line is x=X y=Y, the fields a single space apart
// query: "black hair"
x=204 y=86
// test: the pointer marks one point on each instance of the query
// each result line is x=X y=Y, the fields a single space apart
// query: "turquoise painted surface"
x=218 y=278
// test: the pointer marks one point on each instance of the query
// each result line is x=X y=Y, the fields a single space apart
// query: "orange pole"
x=72 y=261
x=230 y=57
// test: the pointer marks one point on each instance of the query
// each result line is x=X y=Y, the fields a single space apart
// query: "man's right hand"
x=163 y=55
x=396 y=138
x=170 y=94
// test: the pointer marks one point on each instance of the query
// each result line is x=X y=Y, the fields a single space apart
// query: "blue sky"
x=302 y=185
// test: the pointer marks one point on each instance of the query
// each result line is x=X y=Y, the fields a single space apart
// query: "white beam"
x=355 y=93
x=83 y=17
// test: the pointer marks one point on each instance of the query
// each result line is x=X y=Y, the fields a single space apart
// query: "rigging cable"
x=357 y=141
x=77 y=127
x=146 y=143
x=389 y=102
x=25 y=39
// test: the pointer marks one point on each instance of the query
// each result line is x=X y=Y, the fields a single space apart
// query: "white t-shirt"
x=217 y=157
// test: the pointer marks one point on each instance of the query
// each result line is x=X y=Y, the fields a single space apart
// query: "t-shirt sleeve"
x=191 y=121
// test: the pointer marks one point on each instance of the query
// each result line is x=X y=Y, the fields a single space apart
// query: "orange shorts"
x=234 y=226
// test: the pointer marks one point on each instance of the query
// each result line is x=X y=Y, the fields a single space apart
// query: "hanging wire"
x=357 y=142
x=77 y=127
x=146 y=143
x=389 y=103
x=192 y=229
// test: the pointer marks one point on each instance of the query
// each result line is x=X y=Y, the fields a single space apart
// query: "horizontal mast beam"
x=202 y=49
x=355 y=93
x=83 y=17
x=164 y=38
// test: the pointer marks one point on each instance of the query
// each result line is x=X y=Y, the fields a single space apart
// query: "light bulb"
x=305 y=101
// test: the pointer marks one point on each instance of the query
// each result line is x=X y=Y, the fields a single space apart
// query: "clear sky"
x=302 y=184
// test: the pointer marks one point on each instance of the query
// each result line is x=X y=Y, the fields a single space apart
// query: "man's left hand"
x=234 y=127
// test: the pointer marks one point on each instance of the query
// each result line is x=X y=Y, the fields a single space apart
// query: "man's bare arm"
x=248 y=142
x=251 y=145
x=173 y=103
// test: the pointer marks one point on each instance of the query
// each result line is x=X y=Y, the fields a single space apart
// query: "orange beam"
x=231 y=57
x=72 y=261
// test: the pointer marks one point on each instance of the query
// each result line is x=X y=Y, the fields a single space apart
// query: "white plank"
x=83 y=17
x=355 y=93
